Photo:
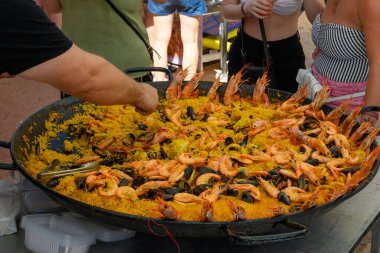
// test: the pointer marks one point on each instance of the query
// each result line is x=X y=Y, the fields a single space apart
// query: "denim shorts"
x=185 y=7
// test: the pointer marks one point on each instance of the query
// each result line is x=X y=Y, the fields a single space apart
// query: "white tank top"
x=285 y=7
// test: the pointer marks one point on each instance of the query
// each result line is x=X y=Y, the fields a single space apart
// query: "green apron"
x=95 y=27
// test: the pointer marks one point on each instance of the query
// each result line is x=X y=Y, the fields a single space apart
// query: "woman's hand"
x=258 y=8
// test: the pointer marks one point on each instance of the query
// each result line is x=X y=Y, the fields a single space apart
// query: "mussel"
x=138 y=181
x=190 y=113
x=205 y=117
x=53 y=183
x=246 y=197
x=351 y=170
x=228 y=141
x=142 y=126
x=123 y=182
x=244 y=143
x=80 y=182
x=283 y=198
x=335 y=152
x=203 y=170
x=314 y=162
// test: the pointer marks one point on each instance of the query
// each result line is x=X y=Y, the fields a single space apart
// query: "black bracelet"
x=242 y=9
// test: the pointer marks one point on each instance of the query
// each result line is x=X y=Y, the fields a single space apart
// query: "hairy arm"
x=313 y=7
x=370 y=22
x=92 y=78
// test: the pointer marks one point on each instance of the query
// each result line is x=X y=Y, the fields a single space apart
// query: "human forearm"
x=52 y=6
x=312 y=8
x=232 y=11
x=91 y=78
x=372 y=96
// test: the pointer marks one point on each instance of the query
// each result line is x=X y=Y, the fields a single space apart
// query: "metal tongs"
x=54 y=170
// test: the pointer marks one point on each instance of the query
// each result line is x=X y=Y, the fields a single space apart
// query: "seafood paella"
x=198 y=159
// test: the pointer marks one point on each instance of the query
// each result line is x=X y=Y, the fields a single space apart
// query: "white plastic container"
x=103 y=232
x=10 y=203
x=34 y=202
x=49 y=233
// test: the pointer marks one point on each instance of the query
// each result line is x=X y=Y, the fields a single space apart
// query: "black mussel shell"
x=53 y=183
x=244 y=142
x=309 y=124
x=283 y=198
x=301 y=181
x=130 y=139
x=246 y=197
x=188 y=172
x=231 y=192
x=80 y=182
x=197 y=190
x=302 y=149
x=252 y=182
x=335 y=152
x=204 y=170
x=138 y=181
x=241 y=174
x=146 y=136
x=142 y=126
x=174 y=190
x=275 y=172
x=151 y=194
x=110 y=161
x=205 y=117
x=351 y=170
x=167 y=197
x=314 y=162
x=129 y=171
x=190 y=112
x=163 y=153
x=166 y=141
x=228 y=141
x=123 y=182
x=38 y=151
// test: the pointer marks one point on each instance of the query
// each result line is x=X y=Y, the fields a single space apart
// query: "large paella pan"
x=280 y=161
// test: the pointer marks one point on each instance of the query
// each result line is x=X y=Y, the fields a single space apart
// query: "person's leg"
x=189 y=35
x=163 y=32
x=149 y=25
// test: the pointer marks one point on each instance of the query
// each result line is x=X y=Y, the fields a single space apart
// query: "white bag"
x=305 y=76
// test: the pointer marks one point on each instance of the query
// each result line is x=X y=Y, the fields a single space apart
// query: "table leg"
x=375 y=237
x=223 y=48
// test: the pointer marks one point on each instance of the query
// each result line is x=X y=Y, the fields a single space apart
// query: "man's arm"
x=92 y=78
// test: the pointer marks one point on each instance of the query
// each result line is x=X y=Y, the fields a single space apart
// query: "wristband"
x=242 y=9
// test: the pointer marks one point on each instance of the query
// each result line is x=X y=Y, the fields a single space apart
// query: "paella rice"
x=202 y=160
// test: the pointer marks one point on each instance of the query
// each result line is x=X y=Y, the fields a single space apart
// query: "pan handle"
x=240 y=239
x=5 y=166
x=144 y=69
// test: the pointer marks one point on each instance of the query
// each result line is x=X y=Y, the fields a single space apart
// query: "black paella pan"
x=256 y=231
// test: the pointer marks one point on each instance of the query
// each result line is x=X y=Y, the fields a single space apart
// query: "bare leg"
x=189 y=35
x=163 y=31
x=149 y=25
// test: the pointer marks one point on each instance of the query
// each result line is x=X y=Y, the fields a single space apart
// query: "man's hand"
x=148 y=101
x=259 y=8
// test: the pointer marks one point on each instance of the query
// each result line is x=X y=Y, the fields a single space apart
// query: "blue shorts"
x=186 y=7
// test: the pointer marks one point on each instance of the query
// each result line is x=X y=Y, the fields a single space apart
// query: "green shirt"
x=95 y=27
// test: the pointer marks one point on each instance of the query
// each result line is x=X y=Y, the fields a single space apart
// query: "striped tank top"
x=342 y=56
